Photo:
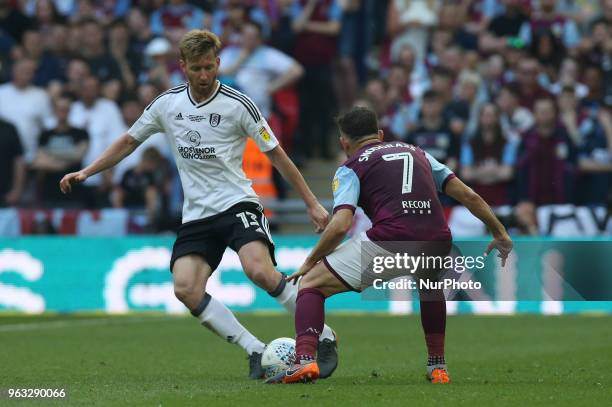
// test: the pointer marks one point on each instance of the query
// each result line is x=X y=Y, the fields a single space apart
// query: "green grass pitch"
x=172 y=361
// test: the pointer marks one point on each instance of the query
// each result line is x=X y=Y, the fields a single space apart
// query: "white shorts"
x=348 y=260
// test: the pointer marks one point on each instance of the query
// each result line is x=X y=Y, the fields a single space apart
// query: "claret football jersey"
x=396 y=184
x=207 y=140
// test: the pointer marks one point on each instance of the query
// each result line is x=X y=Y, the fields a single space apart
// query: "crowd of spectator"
x=513 y=95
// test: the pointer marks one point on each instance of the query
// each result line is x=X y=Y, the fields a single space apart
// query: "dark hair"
x=479 y=146
x=512 y=89
x=431 y=96
x=442 y=71
x=568 y=89
x=358 y=122
x=255 y=24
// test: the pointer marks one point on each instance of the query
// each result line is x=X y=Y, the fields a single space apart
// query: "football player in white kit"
x=207 y=124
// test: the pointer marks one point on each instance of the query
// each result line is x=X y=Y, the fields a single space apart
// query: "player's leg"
x=433 y=321
x=190 y=273
x=256 y=260
x=257 y=263
x=314 y=288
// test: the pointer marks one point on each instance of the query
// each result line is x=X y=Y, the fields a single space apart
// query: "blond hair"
x=196 y=43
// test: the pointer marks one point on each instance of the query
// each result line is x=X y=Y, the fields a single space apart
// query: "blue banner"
x=119 y=275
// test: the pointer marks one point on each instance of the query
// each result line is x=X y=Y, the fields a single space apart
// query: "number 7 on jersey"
x=408 y=168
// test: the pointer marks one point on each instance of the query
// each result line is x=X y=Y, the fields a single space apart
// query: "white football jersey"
x=207 y=140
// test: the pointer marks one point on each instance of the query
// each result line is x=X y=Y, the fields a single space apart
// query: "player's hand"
x=304 y=269
x=71 y=179
x=319 y=216
x=503 y=245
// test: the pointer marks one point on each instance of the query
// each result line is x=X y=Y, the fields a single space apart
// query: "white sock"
x=285 y=294
x=215 y=316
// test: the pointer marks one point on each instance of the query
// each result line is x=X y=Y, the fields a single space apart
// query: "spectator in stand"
x=549 y=51
x=60 y=150
x=453 y=16
x=24 y=105
x=46 y=18
x=417 y=74
x=351 y=52
x=434 y=134
x=456 y=112
x=12 y=165
x=147 y=92
x=131 y=109
x=282 y=36
x=546 y=165
x=568 y=77
x=547 y=18
x=13 y=21
x=228 y=19
x=409 y=22
x=488 y=158
x=76 y=72
x=529 y=88
x=515 y=119
x=124 y=54
x=468 y=93
x=316 y=24
x=140 y=30
x=375 y=97
x=162 y=68
x=101 y=118
x=594 y=48
x=143 y=187
x=102 y=65
x=258 y=70
x=493 y=75
x=48 y=67
x=504 y=27
x=596 y=96
x=593 y=137
x=102 y=11
x=178 y=14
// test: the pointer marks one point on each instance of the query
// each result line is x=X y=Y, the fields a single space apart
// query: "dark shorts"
x=235 y=227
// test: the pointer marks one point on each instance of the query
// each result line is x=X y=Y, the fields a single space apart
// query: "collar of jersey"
x=207 y=101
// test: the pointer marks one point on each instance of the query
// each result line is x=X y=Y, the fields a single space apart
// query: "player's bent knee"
x=261 y=274
x=188 y=294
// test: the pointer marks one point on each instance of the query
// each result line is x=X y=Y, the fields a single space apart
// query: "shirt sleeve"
x=571 y=35
x=467 y=155
x=346 y=189
x=255 y=126
x=441 y=173
x=148 y=123
x=509 y=154
x=278 y=62
x=334 y=13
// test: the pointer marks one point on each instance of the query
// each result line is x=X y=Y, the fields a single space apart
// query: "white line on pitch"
x=68 y=323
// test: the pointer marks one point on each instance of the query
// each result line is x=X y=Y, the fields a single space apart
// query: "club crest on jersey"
x=214 y=119
x=335 y=184
x=263 y=132
x=194 y=138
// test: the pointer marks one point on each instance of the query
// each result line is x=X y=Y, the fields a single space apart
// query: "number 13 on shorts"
x=250 y=219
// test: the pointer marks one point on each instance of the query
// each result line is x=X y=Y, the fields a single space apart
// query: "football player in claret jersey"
x=206 y=124
x=385 y=179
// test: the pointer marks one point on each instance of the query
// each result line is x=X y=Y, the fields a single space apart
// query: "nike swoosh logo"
x=290 y=372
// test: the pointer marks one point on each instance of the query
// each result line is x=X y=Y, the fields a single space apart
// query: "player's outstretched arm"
x=333 y=235
x=121 y=148
x=318 y=214
x=455 y=188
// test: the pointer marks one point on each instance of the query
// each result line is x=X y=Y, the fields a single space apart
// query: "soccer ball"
x=278 y=356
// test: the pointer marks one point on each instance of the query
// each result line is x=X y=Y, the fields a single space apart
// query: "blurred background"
x=514 y=95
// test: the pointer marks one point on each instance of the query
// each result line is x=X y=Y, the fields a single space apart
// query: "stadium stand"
x=515 y=94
